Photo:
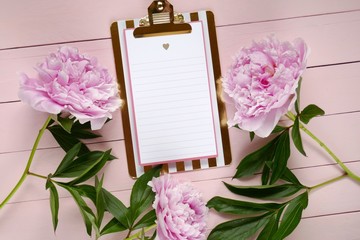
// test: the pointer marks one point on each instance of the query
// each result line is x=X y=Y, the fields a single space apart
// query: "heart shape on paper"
x=166 y=46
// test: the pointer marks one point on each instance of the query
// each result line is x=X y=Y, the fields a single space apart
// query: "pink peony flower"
x=179 y=209
x=262 y=83
x=74 y=84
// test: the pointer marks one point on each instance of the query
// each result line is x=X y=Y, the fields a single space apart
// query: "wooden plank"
x=334 y=227
x=117 y=177
x=24 y=23
x=17 y=136
x=332 y=88
x=325 y=35
x=344 y=226
x=343 y=127
x=230 y=40
x=324 y=205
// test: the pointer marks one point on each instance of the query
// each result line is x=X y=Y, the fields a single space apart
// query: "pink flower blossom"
x=262 y=83
x=179 y=209
x=74 y=84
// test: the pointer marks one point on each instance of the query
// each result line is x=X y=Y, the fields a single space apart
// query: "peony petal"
x=39 y=101
x=97 y=123
x=252 y=124
x=272 y=120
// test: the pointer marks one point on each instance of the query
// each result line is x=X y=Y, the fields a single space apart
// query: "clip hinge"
x=161 y=20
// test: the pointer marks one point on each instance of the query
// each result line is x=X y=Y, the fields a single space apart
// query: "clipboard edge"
x=217 y=75
x=114 y=29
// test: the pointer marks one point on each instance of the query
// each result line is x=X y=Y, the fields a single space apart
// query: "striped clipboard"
x=163 y=22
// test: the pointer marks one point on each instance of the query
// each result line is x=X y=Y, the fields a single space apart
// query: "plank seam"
x=332 y=214
x=58 y=147
x=287 y=18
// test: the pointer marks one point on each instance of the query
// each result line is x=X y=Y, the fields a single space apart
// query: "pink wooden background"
x=29 y=30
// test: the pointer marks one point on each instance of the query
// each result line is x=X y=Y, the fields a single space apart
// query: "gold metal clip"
x=161 y=20
x=178 y=18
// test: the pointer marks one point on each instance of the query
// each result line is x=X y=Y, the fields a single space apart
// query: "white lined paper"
x=170 y=97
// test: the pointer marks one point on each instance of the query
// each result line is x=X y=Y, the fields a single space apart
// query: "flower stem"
x=37 y=175
x=138 y=234
x=328 y=182
x=31 y=157
x=352 y=175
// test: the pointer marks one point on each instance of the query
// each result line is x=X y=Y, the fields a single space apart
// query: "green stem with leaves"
x=27 y=168
x=138 y=234
x=352 y=175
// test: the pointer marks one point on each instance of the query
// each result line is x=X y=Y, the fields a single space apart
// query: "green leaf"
x=86 y=191
x=83 y=134
x=141 y=195
x=117 y=209
x=81 y=164
x=296 y=136
x=66 y=140
x=91 y=216
x=100 y=201
x=290 y=177
x=255 y=160
x=238 y=229
x=292 y=216
x=82 y=206
x=271 y=227
x=225 y=205
x=287 y=175
x=65 y=123
x=78 y=125
x=112 y=227
x=265 y=176
x=310 y=112
x=252 y=135
x=147 y=220
x=265 y=191
x=282 y=154
x=278 y=129
x=67 y=160
x=297 y=103
x=54 y=203
x=92 y=170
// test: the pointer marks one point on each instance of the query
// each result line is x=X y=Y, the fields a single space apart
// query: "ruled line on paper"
x=172 y=60
x=169 y=94
x=169 y=156
x=150 y=70
x=183 y=120
x=156 y=108
x=176 y=148
x=150 y=117
x=174 y=101
x=164 y=75
x=196 y=126
x=166 y=141
x=166 y=135
x=157 y=88
x=166 y=80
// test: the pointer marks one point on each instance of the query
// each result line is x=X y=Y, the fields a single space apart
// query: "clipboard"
x=167 y=65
